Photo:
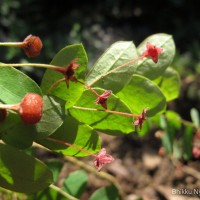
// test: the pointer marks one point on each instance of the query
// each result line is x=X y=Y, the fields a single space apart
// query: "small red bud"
x=31 y=108
x=3 y=114
x=32 y=45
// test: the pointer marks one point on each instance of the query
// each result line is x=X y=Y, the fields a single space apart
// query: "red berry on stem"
x=31 y=108
x=32 y=45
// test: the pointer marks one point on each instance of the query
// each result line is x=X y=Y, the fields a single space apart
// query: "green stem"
x=40 y=65
x=108 y=111
x=63 y=193
x=54 y=85
x=11 y=44
x=90 y=88
x=117 y=68
x=14 y=107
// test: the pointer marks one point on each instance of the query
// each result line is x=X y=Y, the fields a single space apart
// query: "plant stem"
x=117 y=68
x=54 y=85
x=63 y=193
x=71 y=145
x=40 y=65
x=87 y=86
x=11 y=44
x=14 y=107
x=108 y=111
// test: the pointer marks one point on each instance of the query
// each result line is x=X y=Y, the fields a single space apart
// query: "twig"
x=62 y=192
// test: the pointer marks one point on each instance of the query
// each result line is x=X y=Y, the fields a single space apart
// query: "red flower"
x=102 y=158
x=152 y=51
x=140 y=119
x=102 y=99
x=69 y=71
x=196 y=152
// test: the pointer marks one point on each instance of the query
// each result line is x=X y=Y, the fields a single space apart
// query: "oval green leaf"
x=15 y=84
x=22 y=173
x=53 y=117
x=14 y=132
x=142 y=93
x=169 y=84
x=75 y=133
x=106 y=193
x=119 y=53
x=147 y=67
x=76 y=183
x=86 y=111
x=63 y=58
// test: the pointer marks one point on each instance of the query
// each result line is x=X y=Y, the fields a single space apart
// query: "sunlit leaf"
x=75 y=133
x=14 y=85
x=98 y=119
x=147 y=67
x=142 y=93
x=63 y=58
x=118 y=54
x=169 y=84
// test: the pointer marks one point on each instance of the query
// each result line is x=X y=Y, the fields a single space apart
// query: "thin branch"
x=117 y=68
x=54 y=85
x=71 y=145
x=108 y=111
x=62 y=192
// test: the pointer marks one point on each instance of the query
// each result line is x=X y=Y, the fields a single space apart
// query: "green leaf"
x=174 y=119
x=21 y=136
x=63 y=58
x=142 y=93
x=105 y=193
x=46 y=194
x=168 y=136
x=14 y=85
x=22 y=173
x=195 y=117
x=147 y=67
x=76 y=183
x=109 y=123
x=11 y=119
x=187 y=143
x=118 y=54
x=52 y=118
x=55 y=166
x=169 y=84
x=75 y=133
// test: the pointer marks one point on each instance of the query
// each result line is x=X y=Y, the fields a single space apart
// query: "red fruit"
x=32 y=45
x=31 y=108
